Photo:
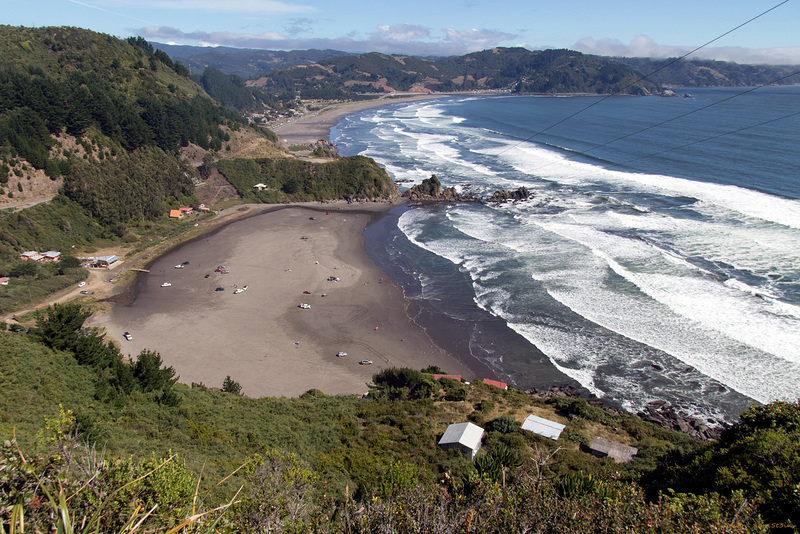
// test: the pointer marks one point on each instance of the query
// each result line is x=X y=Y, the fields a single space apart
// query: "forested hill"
x=709 y=73
x=112 y=124
x=501 y=69
x=243 y=62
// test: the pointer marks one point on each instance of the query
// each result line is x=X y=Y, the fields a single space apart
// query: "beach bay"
x=260 y=337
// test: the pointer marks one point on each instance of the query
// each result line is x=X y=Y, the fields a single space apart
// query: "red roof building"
x=495 y=383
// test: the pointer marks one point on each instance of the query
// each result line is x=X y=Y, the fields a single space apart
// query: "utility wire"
x=686 y=145
x=565 y=119
x=672 y=119
x=694 y=111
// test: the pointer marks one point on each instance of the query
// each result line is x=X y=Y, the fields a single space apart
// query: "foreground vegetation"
x=96 y=438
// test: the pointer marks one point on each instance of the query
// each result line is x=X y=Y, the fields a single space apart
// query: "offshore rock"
x=500 y=197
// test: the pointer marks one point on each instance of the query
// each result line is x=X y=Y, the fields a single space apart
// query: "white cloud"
x=389 y=39
x=402 y=32
x=644 y=46
x=477 y=39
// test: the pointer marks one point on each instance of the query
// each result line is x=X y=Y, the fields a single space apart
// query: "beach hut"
x=495 y=383
x=466 y=437
x=621 y=453
x=543 y=427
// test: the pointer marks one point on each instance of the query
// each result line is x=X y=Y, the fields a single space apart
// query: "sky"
x=641 y=28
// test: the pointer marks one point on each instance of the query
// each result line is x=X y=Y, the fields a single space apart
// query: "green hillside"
x=115 y=439
x=107 y=122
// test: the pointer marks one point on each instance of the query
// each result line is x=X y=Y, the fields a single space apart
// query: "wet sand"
x=260 y=337
x=315 y=126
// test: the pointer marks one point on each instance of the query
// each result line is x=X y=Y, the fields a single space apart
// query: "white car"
x=365 y=362
x=304 y=306
x=179 y=266
x=341 y=353
x=81 y=284
x=166 y=284
x=127 y=335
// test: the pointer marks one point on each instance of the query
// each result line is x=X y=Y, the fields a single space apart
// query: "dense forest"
x=709 y=73
x=106 y=441
x=350 y=178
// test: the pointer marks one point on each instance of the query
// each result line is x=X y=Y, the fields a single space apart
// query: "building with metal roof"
x=543 y=427
x=465 y=437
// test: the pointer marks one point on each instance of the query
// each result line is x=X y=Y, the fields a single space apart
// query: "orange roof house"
x=175 y=214
x=495 y=383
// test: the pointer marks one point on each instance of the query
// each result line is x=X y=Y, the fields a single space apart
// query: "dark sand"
x=252 y=336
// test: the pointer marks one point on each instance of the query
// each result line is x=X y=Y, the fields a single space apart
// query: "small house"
x=186 y=210
x=28 y=255
x=543 y=427
x=495 y=383
x=260 y=187
x=3 y=280
x=105 y=261
x=51 y=255
x=175 y=214
x=466 y=437
x=621 y=453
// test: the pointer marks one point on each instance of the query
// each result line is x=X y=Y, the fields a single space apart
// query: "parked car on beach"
x=365 y=362
x=304 y=306
x=340 y=354
x=127 y=335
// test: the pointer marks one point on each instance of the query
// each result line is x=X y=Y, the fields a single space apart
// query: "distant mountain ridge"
x=251 y=63
x=247 y=62
x=514 y=70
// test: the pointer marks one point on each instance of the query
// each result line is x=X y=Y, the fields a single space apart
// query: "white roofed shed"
x=465 y=437
x=543 y=427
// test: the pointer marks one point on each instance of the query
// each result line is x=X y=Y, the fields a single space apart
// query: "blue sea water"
x=658 y=258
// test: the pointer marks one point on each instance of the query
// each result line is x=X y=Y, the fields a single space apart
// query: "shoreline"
x=315 y=126
x=260 y=337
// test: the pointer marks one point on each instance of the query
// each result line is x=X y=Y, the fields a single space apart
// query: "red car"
x=307 y=292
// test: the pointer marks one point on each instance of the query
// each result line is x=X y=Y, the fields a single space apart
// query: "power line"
x=670 y=120
x=686 y=145
x=565 y=119
x=694 y=111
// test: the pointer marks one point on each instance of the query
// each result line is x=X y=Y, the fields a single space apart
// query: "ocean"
x=658 y=257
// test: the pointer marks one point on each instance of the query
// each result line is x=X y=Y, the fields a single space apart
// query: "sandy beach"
x=316 y=126
x=260 y=337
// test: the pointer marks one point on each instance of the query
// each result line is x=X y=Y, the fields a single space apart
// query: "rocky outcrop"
x=430 y=191
x=500 y=197
x=662 y=414
x=658 y=412
x=324 y=149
